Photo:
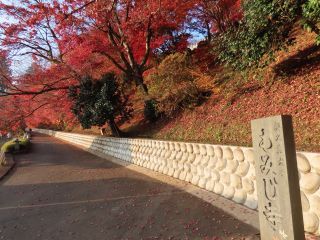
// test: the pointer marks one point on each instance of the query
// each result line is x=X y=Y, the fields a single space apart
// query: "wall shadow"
x=54 y=151
x=132 y=207
x=107 y=202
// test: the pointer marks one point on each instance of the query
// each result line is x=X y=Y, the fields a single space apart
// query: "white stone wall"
x=225 y=170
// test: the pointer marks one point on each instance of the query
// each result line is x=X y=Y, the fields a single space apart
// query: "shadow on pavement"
x=61 y=192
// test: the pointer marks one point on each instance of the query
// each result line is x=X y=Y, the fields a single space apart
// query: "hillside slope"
x=290 y=85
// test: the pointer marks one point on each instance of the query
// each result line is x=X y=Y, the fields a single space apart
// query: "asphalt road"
x=61 y=192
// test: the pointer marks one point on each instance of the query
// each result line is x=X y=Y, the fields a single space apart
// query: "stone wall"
x=225 y=170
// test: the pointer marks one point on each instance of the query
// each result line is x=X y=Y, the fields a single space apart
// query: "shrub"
x=151 y=112
x=173 y=84
x=9 y=146
x=311 y=14
x=24 y=144
x=265 y=28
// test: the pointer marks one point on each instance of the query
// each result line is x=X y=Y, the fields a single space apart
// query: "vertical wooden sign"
x=280 y=211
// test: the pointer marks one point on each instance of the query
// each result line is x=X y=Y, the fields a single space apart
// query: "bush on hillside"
x=266 y=28
x=173 y=85
x=151 y=111
x=311 y=13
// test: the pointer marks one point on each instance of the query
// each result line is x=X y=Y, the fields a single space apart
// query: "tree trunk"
x=140 y=82
x=209 y=36
x=116 y=132
x=102 y=131
x=145 y=88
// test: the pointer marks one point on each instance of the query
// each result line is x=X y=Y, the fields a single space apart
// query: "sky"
x=22 y=63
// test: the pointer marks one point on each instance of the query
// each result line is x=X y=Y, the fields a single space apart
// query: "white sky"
x=19 y=64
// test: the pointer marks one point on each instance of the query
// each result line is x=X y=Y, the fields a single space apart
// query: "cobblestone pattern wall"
x=225 y=170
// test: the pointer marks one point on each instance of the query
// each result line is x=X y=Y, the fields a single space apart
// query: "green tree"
x=265 y=29
x=311 y=14
x=96 y=103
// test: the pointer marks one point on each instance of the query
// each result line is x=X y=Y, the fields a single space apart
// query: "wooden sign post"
x=280 y=211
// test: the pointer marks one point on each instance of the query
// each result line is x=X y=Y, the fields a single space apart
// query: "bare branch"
x=78 y=9
x=148 y=42
x=20 y=92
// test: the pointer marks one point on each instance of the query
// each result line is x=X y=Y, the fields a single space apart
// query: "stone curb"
x=5 y=170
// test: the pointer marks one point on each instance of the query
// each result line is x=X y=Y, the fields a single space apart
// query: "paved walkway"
x=61 y=192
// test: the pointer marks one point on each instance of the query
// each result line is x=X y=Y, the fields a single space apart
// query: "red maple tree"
x=125 y=32
x=71 y=39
